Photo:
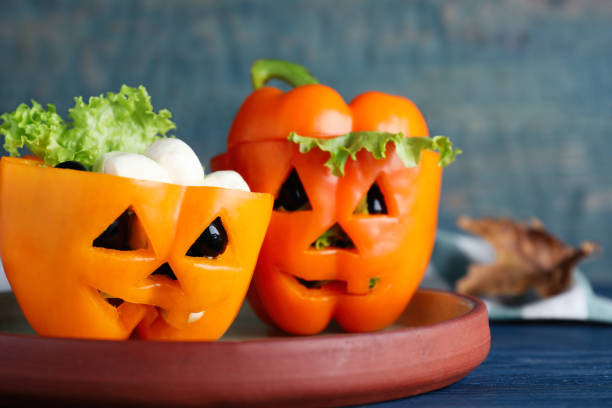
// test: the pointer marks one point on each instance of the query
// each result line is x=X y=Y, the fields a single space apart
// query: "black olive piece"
x=70 y=164
x=211 y=243
x=292 y=195
x=376 y=201
x=165 y=270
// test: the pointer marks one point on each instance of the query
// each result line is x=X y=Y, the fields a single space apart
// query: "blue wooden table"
x=558 y=364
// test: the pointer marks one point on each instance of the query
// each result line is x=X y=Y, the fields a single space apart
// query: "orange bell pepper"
x=366 y=287
x=50 y=218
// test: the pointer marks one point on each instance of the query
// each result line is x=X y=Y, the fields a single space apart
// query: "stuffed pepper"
x=356 y=190
x=112 y=229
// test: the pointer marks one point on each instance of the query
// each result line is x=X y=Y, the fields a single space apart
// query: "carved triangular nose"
x=334 y=237
x=165 y=270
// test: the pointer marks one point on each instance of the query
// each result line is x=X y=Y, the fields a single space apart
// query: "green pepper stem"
x=264 y=70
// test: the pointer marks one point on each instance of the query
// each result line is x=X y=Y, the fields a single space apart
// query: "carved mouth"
x=319 y=284
x=179 y=320
x=117 y=302
x=334 y=285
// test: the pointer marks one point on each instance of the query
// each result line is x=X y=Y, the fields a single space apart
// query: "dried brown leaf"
x=528 y=257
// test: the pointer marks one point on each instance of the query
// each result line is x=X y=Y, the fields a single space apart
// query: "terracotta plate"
x=439 y=339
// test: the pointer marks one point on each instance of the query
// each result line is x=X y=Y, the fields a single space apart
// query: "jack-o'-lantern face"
x=351 y=248
x=99 y=256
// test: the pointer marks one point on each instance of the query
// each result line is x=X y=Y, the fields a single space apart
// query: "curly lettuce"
x=408 y=149
x=123 y=121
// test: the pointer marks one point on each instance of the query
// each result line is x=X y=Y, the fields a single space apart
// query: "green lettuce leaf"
x=123 y=121
x=35 y=127
x=325 y=239
x=408 y=149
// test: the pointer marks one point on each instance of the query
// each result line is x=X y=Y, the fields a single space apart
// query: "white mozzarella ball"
x=179 y=160
x=134 y=166
x=226 y=179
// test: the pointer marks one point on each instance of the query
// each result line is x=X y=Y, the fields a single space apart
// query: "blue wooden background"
x=524 y=87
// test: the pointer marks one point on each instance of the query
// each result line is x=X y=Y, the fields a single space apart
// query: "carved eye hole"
x=125 y=233
x=292 y=196
x=372 y=203
x=211 y=243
